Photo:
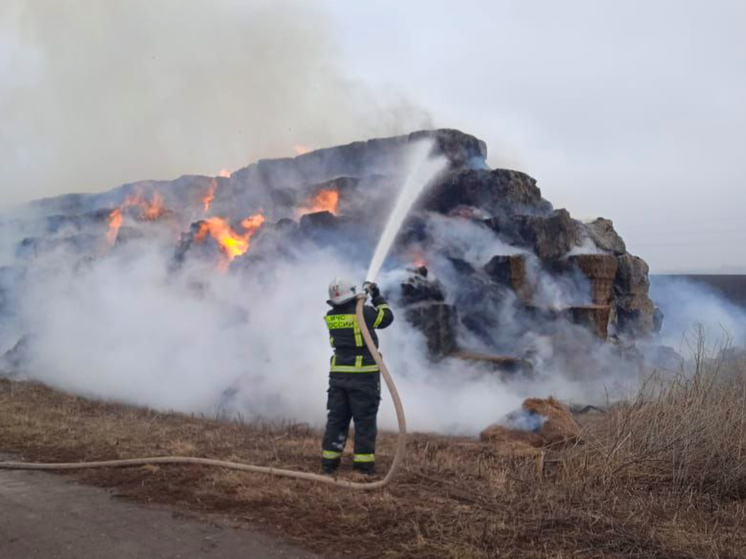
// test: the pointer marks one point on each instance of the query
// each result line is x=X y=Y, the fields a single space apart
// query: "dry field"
x=663 y=476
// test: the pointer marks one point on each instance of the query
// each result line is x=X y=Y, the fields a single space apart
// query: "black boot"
x=329 y=467
x=367 y=468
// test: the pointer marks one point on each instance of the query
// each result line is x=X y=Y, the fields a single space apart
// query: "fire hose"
x=278 y=472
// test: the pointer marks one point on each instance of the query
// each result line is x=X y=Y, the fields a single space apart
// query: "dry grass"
x=686 y=432
x=662 y=476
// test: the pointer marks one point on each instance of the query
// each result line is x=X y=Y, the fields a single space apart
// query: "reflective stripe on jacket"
x=345 y=336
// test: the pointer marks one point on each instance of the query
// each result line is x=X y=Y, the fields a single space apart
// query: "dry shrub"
x=686 y=430
x=509 y=442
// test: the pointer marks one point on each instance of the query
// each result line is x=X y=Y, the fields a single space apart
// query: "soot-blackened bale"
x=593 y=317
x=418 y=288
x=424 y=305
x=319 y=221
x=498 y=191
x=632 y=275
x=461 y=150
x=79 y=245
x=550 y=237
x=637 y=315
x=602 y=233
x=438 y=322
x=510 y=271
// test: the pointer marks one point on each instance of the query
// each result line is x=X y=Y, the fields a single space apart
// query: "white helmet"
x=341 y=291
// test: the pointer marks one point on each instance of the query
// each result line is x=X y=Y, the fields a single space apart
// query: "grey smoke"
x=93 y=95
x=689 y=305
x=96 y=94
x=124 y=326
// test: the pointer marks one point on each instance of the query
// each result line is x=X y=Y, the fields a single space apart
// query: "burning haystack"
x=485 y=267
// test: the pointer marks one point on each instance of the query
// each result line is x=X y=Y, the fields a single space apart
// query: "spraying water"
x=423 y=170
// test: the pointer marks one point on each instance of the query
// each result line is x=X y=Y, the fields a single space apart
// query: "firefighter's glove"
x=373 y=290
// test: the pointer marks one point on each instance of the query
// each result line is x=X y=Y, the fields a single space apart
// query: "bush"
x=685 y=429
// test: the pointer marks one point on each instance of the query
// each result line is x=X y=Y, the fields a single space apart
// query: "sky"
x=632 y=111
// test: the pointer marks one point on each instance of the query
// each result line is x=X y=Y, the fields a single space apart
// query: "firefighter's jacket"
x=350 y=353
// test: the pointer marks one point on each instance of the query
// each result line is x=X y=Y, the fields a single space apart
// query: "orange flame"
x=224 y=173
x=153 y=210
x=231 y=242
x=115 y=222
x=324 y=201
x=210 y=196
x=150 y=210
x=301 y=149
x=253 y=222
x=419 y=261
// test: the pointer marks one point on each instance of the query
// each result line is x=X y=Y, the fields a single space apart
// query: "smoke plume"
x=98 y=94
x=689 y=305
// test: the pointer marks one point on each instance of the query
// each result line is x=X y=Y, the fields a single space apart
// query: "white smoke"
x=96 y=94
x=126 y=326
x=688 y=305
x=586 y=247
x=474 y=242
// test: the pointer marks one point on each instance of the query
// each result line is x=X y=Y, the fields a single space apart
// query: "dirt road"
x=43 y=516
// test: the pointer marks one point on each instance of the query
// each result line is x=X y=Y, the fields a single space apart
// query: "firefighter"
x=354 y=379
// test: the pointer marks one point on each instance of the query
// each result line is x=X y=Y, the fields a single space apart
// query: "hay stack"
x=601 y=269
x=559 y=427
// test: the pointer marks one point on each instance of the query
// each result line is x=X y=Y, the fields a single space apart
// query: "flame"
x=150 y=210
x=210 y=196
x=253 y=222
x=301 y=149
x=420 y=262
x=231 y=242
x=115 y=222
x=153 y=210
x=324 y=201
x=224 y=173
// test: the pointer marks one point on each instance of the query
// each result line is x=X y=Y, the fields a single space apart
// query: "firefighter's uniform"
x=354 y=384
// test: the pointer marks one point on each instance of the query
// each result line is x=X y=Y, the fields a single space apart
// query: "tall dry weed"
x=685 y=429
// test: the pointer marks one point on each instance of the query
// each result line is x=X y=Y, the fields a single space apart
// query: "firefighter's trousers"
x=352 y=396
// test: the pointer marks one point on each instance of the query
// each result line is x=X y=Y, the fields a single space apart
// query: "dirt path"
x=43 y=516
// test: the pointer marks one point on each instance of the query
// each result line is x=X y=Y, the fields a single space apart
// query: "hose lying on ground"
x=398 y=456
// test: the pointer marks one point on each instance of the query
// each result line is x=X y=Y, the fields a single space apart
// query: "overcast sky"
x=633 y=111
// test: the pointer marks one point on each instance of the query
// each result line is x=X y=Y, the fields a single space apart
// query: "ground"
x=43 y=516
x=454 y=498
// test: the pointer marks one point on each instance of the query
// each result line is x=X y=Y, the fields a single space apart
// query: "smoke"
x=98 y=94
x=126 y=323
x=688 y=305
x=467 y=239
x=127 y=328
x=587 y=247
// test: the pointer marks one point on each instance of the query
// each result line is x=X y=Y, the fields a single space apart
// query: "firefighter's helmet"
x=341 y=291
